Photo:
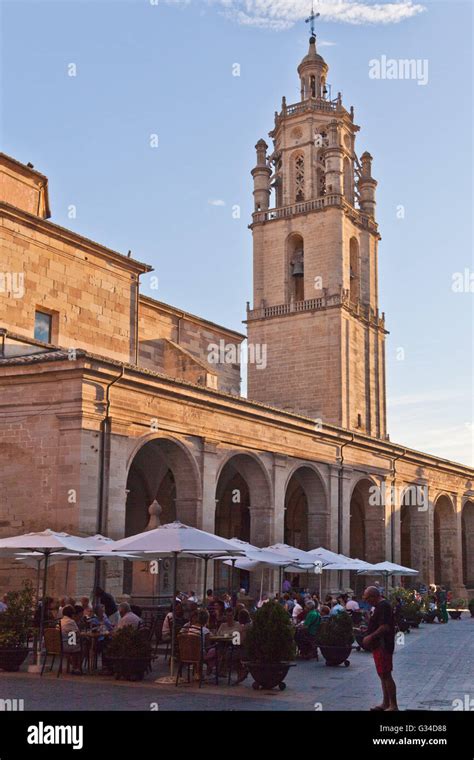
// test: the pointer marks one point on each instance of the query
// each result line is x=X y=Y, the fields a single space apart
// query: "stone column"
x=459 y=589
x=280 y=475
x=261 y=534
x=207 y=508
x=422 y=541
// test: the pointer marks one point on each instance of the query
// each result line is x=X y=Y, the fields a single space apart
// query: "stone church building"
x=119 y=412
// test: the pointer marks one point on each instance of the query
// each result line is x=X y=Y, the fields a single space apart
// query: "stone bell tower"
x=315 y=239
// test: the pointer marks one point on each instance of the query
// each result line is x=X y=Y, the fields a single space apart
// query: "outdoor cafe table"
x=222 y=644
x=91 y=638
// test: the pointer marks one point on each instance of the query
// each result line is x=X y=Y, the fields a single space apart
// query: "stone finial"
x=154 y=511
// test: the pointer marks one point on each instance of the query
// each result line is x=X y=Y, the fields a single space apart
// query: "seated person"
x=229 y=626
x=81 y=621
x=198 y=626
x=99 y=621
x=219 y=616
x=168 y=622
x=86 y=606
x=306 y=632
x=325 y=612
x=336 y=608
x=297 y=610
x=352 y=605
x=70 y=636
x=127 y=617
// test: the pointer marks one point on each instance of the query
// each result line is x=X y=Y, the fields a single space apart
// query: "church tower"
x=315 y=238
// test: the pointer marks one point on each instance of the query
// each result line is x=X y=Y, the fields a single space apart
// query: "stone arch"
x=307 y=517
x=367 y=521
x=445 y=539
x=414 y=530
x=347 y=177
x=244 y=506
x=295 y=266
x=162 y=472
x=467 y=522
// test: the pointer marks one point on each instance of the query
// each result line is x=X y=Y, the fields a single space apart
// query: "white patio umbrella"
x=173 y=540
x=256 y=558
x=387 y=569
x=302 y=560
x=47 y=543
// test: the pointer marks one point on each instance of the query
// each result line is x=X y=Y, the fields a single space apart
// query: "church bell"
x=298 y=269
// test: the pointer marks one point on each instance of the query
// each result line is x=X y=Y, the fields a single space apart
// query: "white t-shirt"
x=297 y=610
x=129 y=619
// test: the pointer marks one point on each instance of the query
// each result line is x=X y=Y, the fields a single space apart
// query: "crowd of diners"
x=226 y=614
x=79 y=616
x=216 y=615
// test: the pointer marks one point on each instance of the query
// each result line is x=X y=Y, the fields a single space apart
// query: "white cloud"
x=283 y=14
x=216 y=202
x=326 y=43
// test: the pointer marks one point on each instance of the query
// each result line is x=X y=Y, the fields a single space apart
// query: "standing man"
x=380 y=640
x=111 y=609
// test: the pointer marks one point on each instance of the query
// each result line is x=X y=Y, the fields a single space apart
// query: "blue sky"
x=166 y=69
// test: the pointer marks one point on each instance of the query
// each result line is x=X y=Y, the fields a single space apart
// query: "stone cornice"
x=99 y=369
x=72 y=238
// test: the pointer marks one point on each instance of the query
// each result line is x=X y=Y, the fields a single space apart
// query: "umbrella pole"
x=280 y=579
x=67 y=574
x=173 y=630
x=38 y=577
x=206 y=560
x=232 y=580
x=261 y=585
x=41 y=627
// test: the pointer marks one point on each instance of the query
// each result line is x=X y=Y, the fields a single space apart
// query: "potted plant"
x=335 y=638
x=270 y=647
x=458 y=606
x=471 y=607
x=128 y=654
x=15 y=628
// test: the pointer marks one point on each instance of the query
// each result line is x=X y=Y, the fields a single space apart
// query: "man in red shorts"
x=380 y=640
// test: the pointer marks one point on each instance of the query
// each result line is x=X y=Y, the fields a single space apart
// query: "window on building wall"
x=43 y=326
x=299 y=179
x=313 y=86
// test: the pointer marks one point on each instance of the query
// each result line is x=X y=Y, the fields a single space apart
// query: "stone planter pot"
x=268 y=675
x=337 y=655
x=128 y=668
x=455 y=614
x=11 y=660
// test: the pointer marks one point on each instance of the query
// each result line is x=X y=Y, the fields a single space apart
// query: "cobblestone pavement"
x=433 y=667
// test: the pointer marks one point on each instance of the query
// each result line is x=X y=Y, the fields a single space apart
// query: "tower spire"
x=312 y=19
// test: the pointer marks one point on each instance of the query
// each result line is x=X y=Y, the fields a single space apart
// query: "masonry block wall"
x=159 y=323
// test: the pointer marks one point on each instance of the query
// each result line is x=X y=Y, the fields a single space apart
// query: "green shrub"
x=337 y=631
x=459 y=603
x=16 y=621
x=270 y=638
x=471 y=605
x=129 y=642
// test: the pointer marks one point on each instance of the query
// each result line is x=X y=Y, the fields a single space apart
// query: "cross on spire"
x=312 y=19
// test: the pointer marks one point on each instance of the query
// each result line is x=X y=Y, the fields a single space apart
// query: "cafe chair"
x=190 y=654
x=53 y=644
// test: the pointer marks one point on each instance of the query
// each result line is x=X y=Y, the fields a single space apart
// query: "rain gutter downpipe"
x=392 y=505
x=340 y=510
x=104 y=450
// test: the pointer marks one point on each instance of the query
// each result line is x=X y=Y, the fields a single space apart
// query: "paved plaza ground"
x=434 y=667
